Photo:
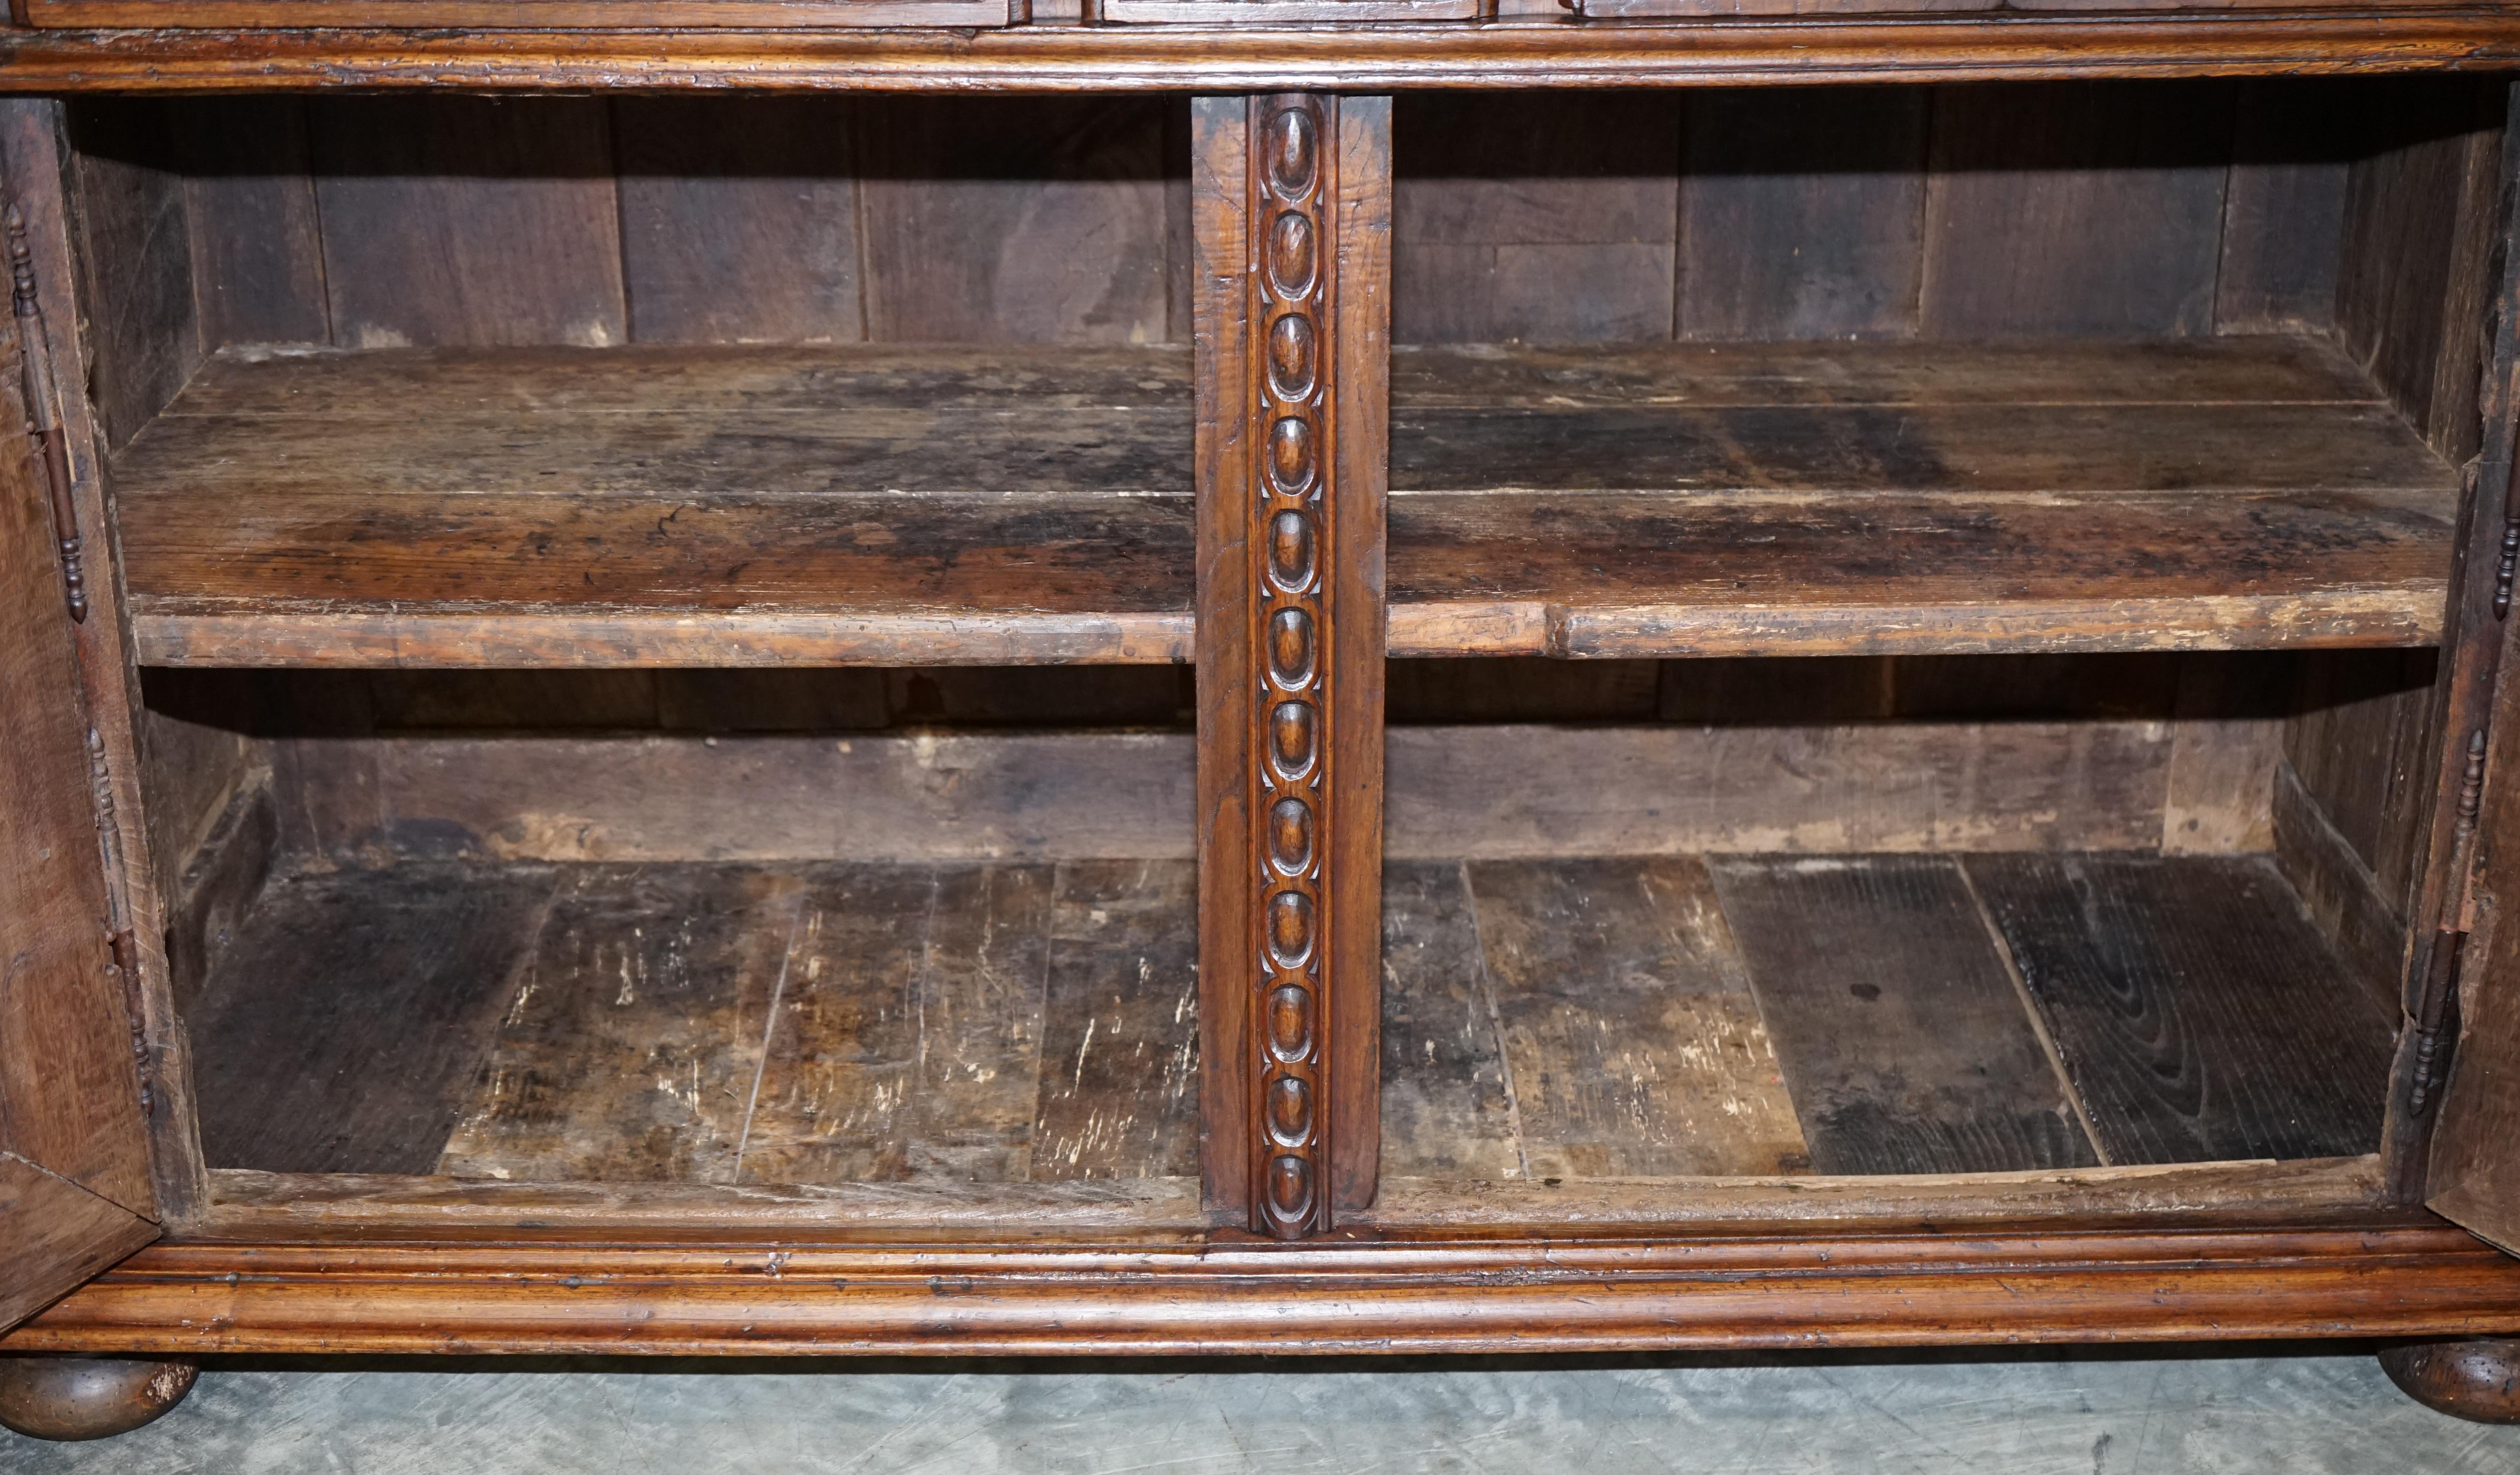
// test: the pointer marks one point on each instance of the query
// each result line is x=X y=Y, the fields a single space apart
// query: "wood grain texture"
x=469 y=221
x=1802 y=213
x=2227 y=747
x=33 y=143
x=1632 y=1042
x=1224 y=825
x=2283 y=207
x=2198 y=1013
x=1546 y=219
x=836 y=1091
x=208 y=904
x=1904 y=1044
x=2470 y=1173
x=1454 y=792
x=2122 y=185
x=1197 y=57
x=2228 y=1194
x=55 y=1234
x=206 y=14
x=266 y=1206
x=633 y=1038
x=70 y=1093
x=779 y=506
x=1359 y=592
x=144 y=331
x=739 y=222
x=1070 y=197
x=1447 y=1110
x=257 y=268
x=2359 y=750
x=1119 y=1065
x=343 y=1027
x=2402 y=208
x=2053 y=1283
x=2367 y=927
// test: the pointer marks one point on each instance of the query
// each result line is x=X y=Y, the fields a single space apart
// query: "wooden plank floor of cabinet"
x=700 y=506
x=1552 y=1023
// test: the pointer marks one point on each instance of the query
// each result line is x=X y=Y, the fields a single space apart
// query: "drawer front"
x=283 y=15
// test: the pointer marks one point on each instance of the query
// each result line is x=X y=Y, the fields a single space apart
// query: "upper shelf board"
x=1003 y=505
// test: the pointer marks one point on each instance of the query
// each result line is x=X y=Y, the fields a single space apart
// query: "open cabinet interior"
x=666 y=629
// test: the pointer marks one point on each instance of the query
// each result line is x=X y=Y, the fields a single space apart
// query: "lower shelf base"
x=1561 y=1022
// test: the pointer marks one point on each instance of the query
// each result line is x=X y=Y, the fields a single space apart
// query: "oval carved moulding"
x=1290 y=455
x=1290 y=141
x=1290 y=649
x=1290 y=356
x=1291 y=258
x=1291 y=551
x=1292 y=740
x=1290 y=1023
x=1290 y=836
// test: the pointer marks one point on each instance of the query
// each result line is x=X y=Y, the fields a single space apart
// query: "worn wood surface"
x=1448 y=1108
x=70 y=1090
x=760 y=194
x=761 y=507
x=2197 y=1012
x=505 y=13
x=257 y=267
x=1119 y=1064
x=697 y=1024
x=340 y=1027
x=2120 y=186
x=207 y=906
x=1017 y=221
x=1902 y=1039
x=2055 y=1283
x=1546 y=219
x=1453 y=792
x=1224 y=824
x=57 y=1234
x=2283 y=209
x=1631 y=1041
x=2470 y=1173
x=2367 y=927
x=137 y=292
x=2226 y=1193
x=468 y=221
x=1359 y=409
x=33 y=147
x=633 y=1044
x=1802 y=213
x=1199 y=57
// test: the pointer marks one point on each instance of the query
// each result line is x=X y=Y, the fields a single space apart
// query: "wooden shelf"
x=1650 y=1018
x=1019 y=505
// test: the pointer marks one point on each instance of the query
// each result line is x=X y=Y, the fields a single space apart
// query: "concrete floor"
x=2302 y=1410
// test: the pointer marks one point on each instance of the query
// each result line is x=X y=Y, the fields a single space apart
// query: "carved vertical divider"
x=1291 y=209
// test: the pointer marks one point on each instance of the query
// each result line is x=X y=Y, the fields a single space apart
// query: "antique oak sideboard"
x=1165 y=677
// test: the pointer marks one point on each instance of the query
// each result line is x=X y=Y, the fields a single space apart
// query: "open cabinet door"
x=75 y=1185
x=2474 y=1175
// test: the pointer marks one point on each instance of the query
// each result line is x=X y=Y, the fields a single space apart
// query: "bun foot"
x=2477 y=1380
x=88 y=1398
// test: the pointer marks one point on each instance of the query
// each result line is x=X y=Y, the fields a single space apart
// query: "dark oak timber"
x=785 y=1296
x=1221 y=58
x=777 y=506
